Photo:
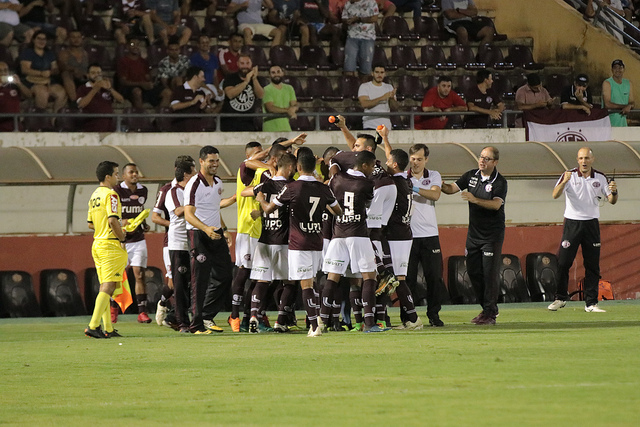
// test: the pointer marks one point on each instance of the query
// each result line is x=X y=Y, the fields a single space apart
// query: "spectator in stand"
x=33 y=14
x=135 y=81
x=285 y=15
x=165 y=15
x=320 y=22
x=12 y=91
x=204 y=59
x=172 y=68
x=278 y=98
x=96 y=97
x=10 y=26
x=439 y=98
x=228 y=58
x=132 y=17
x=577 y=96
x=386 y=8
x=410 y=5
x=617 y=93
x=39 y=68
x=360 y=16
x=336 y=7
x=532 y=96
x=485 y=100
x=377 y=96
x=74 y=64
x=189 y=5
x=190 y=98
x=249 y=16
x=458 y=20
x=242 y=94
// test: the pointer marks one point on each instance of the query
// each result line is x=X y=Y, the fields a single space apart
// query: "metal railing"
x=605 y=16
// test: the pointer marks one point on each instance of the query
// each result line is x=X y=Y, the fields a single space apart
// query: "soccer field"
x=534 y=367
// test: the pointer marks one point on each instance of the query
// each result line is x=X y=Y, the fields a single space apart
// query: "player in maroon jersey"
x=306 y=198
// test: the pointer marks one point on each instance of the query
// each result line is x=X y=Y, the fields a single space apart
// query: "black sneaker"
x=435 y=321
x=95 y=333
x=112 y=334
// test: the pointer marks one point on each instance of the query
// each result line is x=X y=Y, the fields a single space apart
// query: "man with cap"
x=617 y=93
x=576 y=96
x=532 y=96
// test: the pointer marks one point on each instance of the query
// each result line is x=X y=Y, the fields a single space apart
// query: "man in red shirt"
x=228 y=58
x=136 y=83
x=96 y=97
x=10 y=90
x=439 y=98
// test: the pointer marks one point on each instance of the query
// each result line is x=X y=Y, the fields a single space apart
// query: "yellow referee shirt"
x=246 y=224
x=104 y=203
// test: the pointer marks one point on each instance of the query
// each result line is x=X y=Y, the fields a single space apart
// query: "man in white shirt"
x=585 y=189
x=377 y=96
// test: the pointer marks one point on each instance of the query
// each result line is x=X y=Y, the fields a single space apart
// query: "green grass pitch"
x=534 y=368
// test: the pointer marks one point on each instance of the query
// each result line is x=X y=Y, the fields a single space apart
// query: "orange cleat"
x=234 y=323
x=144 y=318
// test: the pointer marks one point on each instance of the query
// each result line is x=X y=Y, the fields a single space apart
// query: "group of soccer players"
x=296 y=223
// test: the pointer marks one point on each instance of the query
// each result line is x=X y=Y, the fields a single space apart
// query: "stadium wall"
x=619 y=263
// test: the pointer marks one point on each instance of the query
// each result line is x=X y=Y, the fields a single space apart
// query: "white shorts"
x=382 y=205
x=260 y=29
x=270 y=262
x=304 y=264
x=245 y=247
x=167 y=262
x=355 y=253
x=325 y=245
x=137 y=253
x=400 y=250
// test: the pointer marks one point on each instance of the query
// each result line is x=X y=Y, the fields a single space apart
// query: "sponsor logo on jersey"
x=114 y=203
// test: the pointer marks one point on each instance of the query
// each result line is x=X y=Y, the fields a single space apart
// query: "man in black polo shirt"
x=485 y=100
x=190 y=99
x=486 y=194
x=576 y=96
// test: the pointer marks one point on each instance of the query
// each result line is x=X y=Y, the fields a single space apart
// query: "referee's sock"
x=102 y=304
x=106 y=320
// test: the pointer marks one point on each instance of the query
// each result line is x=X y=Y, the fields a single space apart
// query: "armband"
x=416 y=189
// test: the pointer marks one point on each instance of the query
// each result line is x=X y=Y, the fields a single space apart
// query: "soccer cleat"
x=477 y=318
x=185 y=331
x=338 y=328
x=402 y=327
x=234 y=323
x=486 y=320
x=357 y=327
x=314 y=333
x=144 y=318
x=557 y=304
x=392 y=285
x=280 y=328
x=265 y=321
x=374 y=328
x=414 y=326
x=320 y=323
x=95 y=333
x=594 y=309
x=161 y=313
x=382 y=283
x=211 y=325
x=205 y=332
x=253 y=325
x=244 y=325
x=435 y=321
x=264 y=328
x=112 y=334
x=114 y=313
x=383 y=326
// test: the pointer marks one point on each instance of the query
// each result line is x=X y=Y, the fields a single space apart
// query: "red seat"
x=324 y=118
x=427 y=27
x=188 y=50
x=380 y=58
x=465 y=84
x=337 y=56
x=191 y=23
x=61 y=21
x=354 y=122
x=38 y=124
x=463 y=56
x=302 y=123
x=488 y=22
x=396 y=27
x=301 y=96
x=68 y=122
x=505 y=86
x=410 y=86
x=217 y=26
x=315 y=57
x=433 y=57
x=404 y=57
x=257 y=56
x=319 y=87
x=492 y=57
x=285 y=57
x=163 y=123
x=348 y=86
x=380 y=36
x=521 y=56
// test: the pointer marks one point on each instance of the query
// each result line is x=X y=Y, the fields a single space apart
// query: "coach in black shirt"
x=577 y=96
x=486 y=194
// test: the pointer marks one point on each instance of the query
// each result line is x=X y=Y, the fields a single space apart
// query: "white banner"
x=592 y=130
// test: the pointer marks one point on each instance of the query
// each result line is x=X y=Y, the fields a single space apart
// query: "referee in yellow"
x=107 y=251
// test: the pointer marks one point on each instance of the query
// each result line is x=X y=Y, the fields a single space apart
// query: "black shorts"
x=472 y=27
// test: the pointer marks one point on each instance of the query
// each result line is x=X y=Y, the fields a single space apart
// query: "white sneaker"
x=594 y=309
x=161 y=313
x=317 y=332
x=320 y=323
x=280 y=328
x=554 y=306
x=414 y=326
x=253 y=325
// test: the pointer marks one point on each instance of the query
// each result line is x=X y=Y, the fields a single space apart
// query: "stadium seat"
x=555 y=83
x=324 y=118
x=285 y=57
x=155 y=54
x=380 y=58
x=404 y=122
x=337 y=56
x=91 y=288
x=154 y=280
x=191 y=23
x=319 y=87
x=100 y=55
x=465 y=84
x=17 y=298
x=68 y=122
x=396 y=27
x=522 y=57
x=302 y=123
x=542 y=275
x=59 y=293
x=512 y=285
x=61 y=21
x=348 y=86
x=427 y=27
x=463 y=56
x=93 y=27
x=403 y=57
x=506 y=87
x=380 y=36
x=217 y=27
x=315 y=57
x=5 y=56
x=188 y=50
x=37 y=124
x=460 y=288
x=492 y=57
x=258 y=56
x=137 y=124
x=301 y=95
x=433 y=57
x=489 y=22
x=163 y=123
x=354 y=122
x=410 y=86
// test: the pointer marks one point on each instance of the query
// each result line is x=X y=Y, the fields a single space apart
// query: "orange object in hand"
x=380 y=127
x=332 y=119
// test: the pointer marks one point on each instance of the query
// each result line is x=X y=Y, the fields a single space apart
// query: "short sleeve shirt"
x=205 y=198
x=399 y=225
x=275 y=226
x=423 y=220
x=354 y=192
x=454 y=4
x=164 y=9
x=282 y=98
x=252 y=15
x=361 y=9
x=168 y=69
x=568 y=95
x=286 y=8
x=178 y=228
x=132 y=204
x=209 y=66
x=103 y=204
x=485 y=225
x=39 y=63
x=372 y=91
x=583 y=194
x=487 y=100
x=432 y=99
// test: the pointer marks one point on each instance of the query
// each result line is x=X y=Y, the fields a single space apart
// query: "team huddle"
x=331 y=223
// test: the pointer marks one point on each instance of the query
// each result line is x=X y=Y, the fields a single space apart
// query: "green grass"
x=533 y=368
